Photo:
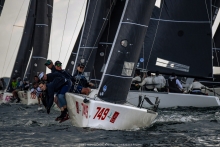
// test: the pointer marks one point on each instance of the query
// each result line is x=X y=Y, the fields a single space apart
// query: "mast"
x=96 y=18
x=179 y=39
x=125 y=50
x=41 y=37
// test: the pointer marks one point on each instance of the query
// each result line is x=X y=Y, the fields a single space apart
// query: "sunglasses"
x=59 y=65
x=81 y=67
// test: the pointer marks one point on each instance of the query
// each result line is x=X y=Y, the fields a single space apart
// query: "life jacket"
x=173 y=86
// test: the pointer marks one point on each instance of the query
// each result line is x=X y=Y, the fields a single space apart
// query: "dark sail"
x=71 y=61
x=125 y=51
x=41 y=37
x=25 y=48
x=179 y=39
x=105 y=43
x=2 y=2
x=97 y=14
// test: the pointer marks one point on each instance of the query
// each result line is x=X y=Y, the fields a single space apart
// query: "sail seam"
x=89 y=47
x=39 y=57
x=118 y=76
x=135 y=24
x=180 y=21
x=41 y=25
x=104 y=43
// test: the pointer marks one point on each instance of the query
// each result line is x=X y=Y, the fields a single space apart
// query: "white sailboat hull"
x=5 y=97
x=103 y=115
x=173 y=99
x=27 y=98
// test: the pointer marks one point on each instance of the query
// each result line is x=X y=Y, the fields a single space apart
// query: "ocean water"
x=22 y=125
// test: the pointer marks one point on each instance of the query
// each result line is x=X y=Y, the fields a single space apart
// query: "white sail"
x=67 y=20
x=12 y=22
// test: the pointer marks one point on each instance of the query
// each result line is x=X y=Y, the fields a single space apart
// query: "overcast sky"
x=68 y=17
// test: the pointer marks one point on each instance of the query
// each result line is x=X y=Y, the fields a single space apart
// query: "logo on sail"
x=104 y=88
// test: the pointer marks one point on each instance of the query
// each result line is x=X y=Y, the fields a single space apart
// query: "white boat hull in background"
x=27 y=98
x=104 y=115
x=173 y=99
x=5 y=97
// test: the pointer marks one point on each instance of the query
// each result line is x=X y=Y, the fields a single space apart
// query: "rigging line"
x=11 y=35
x=13 y=54
x=208 y=14
x=100 y=32
x=216 y=53
x=89 y=28
x=74 y=30
x=107 y=35
x=64 y=28
x=155 y=35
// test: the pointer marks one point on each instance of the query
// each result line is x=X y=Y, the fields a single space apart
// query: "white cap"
x=40 y=76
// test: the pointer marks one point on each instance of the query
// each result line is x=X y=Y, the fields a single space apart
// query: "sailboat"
x=178 y=40
x=11 y=28
x=33 y=46
x=106 y=108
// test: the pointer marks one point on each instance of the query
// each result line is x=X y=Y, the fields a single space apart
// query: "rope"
x=74 y=31
x=64 y=28
x=11 y=36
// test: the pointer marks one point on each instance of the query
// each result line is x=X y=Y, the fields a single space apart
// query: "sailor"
x=61 y=86
x=18 y=88
x=36 y=91
x=50 y=65
x=174 y=84
x=49 y=77
x=3 y=83
x=136 y=80
x=81 y=85
x=148 y=81
x=196 y=88
x=159 y=82
x=58 y=67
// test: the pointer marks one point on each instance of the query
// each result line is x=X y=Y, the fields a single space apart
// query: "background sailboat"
x=178 y=40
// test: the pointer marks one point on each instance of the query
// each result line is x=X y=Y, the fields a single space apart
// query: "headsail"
x=179 y=39
x=25 y=48
x=125 y=51
x=12 y=22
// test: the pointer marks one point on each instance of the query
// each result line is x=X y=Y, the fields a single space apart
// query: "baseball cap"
x=48 y=62
x=58 y=63
x=40 y=76
x=81 y=65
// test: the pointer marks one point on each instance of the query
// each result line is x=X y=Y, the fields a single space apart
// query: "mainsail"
x=97 y=14
x=125 y=51
x=41 y=36
x=179 y=39
x=106 y=41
